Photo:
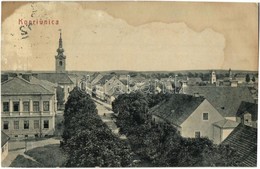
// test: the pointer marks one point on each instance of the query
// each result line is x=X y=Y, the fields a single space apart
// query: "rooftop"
x=46 y=84
x=95 y=78
x=4 y=138
x=59 y=78
x=105 y=78
x=226 y=124
x=225 y=99
x=248 y=107
x=177 y=109
x=17 y=85
x=244 y=140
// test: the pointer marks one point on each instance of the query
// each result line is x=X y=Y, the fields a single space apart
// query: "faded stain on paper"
x=141 y=36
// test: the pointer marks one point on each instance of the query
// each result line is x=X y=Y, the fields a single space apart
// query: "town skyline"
x=114 y=41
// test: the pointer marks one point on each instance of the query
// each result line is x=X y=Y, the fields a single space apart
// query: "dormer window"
x=60 y=63
x=247 y=118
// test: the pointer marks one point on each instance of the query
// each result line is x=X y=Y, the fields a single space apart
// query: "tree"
x=77 y=102
x=247 y=78
x=87 y=140
x=220 y=155
x=135 y=104
x=253 y=79
x=190 y=74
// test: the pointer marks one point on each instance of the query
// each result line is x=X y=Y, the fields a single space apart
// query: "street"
x=106 y=116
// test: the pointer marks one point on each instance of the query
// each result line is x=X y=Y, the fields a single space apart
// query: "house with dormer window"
x=192 y=116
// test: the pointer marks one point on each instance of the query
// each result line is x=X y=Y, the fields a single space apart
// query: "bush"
x=49 y=155
x=21 y=161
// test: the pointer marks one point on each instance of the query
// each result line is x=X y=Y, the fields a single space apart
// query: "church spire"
x=60 y=57
x=60 y=41
x=60 y=50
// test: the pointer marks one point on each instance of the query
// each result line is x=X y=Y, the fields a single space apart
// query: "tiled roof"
x=177 y=109
x=95 y=78
x=124 y=81
x=112 y=85
x=250 y=160
x=46 y=84
x=74 y=78
x=102 y=81
x=244 y=140
x=225 y=124
x=225 y=99
x=248 y=107
x=4 y=138
x=18 y=86
x=60 y=78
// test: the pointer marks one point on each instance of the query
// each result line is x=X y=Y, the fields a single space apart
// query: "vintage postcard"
x=129 y=84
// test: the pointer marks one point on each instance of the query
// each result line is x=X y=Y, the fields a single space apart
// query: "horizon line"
x=118 y=70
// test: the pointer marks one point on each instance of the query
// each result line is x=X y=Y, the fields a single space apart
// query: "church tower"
x=60 y=58
x=213 y=78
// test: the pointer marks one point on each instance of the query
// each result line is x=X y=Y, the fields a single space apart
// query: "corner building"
x=28 y=110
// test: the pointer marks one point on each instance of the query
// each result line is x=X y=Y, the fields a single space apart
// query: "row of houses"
x=222 y=114
x=228 y=80
x=108 y=86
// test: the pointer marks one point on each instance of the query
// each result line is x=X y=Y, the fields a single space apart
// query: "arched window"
x=60 y=63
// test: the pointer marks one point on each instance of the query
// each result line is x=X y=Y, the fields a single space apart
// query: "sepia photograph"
x=129 y=84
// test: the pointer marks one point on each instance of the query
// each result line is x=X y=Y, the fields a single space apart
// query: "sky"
x=140 y=36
